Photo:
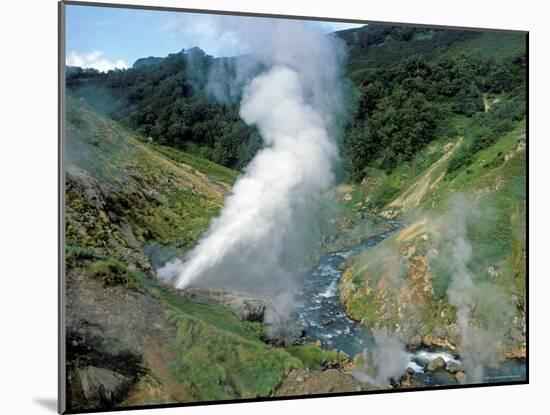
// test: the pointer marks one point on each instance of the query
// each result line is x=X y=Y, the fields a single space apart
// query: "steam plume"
x=386 y=360
x=257 y=242
x=479 y=345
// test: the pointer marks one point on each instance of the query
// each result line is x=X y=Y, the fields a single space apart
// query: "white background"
x=28 y=224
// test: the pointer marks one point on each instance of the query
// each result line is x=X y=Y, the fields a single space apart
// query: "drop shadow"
x=48 y=403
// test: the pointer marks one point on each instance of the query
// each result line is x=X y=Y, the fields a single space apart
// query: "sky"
x=106 y=38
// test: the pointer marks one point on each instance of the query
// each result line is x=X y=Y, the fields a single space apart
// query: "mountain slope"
x=465 y=226
x=437 y=141
x=384 y=46
x=167 y=100
x=131 y=340
x=406 y=82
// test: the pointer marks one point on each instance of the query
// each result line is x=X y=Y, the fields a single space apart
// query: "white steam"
x=256 y=244
x=462 y=289
x=385 y=361
x=479 y=345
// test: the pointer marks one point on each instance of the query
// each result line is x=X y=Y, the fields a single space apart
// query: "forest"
x=400 y=101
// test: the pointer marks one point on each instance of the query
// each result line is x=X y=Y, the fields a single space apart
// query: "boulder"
x=460 y=377
x=453 y=367
x=435 y=364
x=406 y=381
x=414 y=342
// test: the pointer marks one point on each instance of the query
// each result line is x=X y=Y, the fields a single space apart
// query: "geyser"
x=259 y=241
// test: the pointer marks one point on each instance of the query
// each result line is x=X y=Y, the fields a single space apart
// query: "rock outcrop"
x=99 y=387
x=302 y=382
x=244 y=306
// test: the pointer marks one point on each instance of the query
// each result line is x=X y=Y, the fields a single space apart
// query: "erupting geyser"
x=253 y=244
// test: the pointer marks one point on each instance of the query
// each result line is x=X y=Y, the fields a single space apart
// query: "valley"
x=416 y=278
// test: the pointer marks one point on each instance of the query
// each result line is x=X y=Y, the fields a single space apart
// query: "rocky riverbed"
x=321 y=320
x=431 y=360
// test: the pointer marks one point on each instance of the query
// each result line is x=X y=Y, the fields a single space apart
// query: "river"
x=324 y=319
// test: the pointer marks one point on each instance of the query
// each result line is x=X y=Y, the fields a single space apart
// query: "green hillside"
x=165 y=99
x=438 y=143
x=125 y=328
x=384 y=46
x=407 y=83
x=414 y=84
x=403 y=284
x=435 y=139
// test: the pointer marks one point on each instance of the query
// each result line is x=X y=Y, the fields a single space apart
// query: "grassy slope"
x=398 y=285
x=495 y=45
x=423 y=192
x=391 y=52
x=123 y=193
x=159 y=197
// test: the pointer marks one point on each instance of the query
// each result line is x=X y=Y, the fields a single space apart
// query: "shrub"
x=384 y=196
x=110 y=271
x=462 y=157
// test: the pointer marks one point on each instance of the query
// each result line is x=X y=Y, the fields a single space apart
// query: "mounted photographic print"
x=260 y=207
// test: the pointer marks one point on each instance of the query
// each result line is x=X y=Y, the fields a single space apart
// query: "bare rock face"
x=100 y=387
x=443 y=342
x=250 y=308
x=93 y=219
x=100 y=370
x=244 y=306
x=391 y=288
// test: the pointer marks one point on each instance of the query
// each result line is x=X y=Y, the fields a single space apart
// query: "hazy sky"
x=105 y=38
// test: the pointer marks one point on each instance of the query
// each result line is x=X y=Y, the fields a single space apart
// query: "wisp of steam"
x=479 y=345
x=257 y=242
x=386 y=360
